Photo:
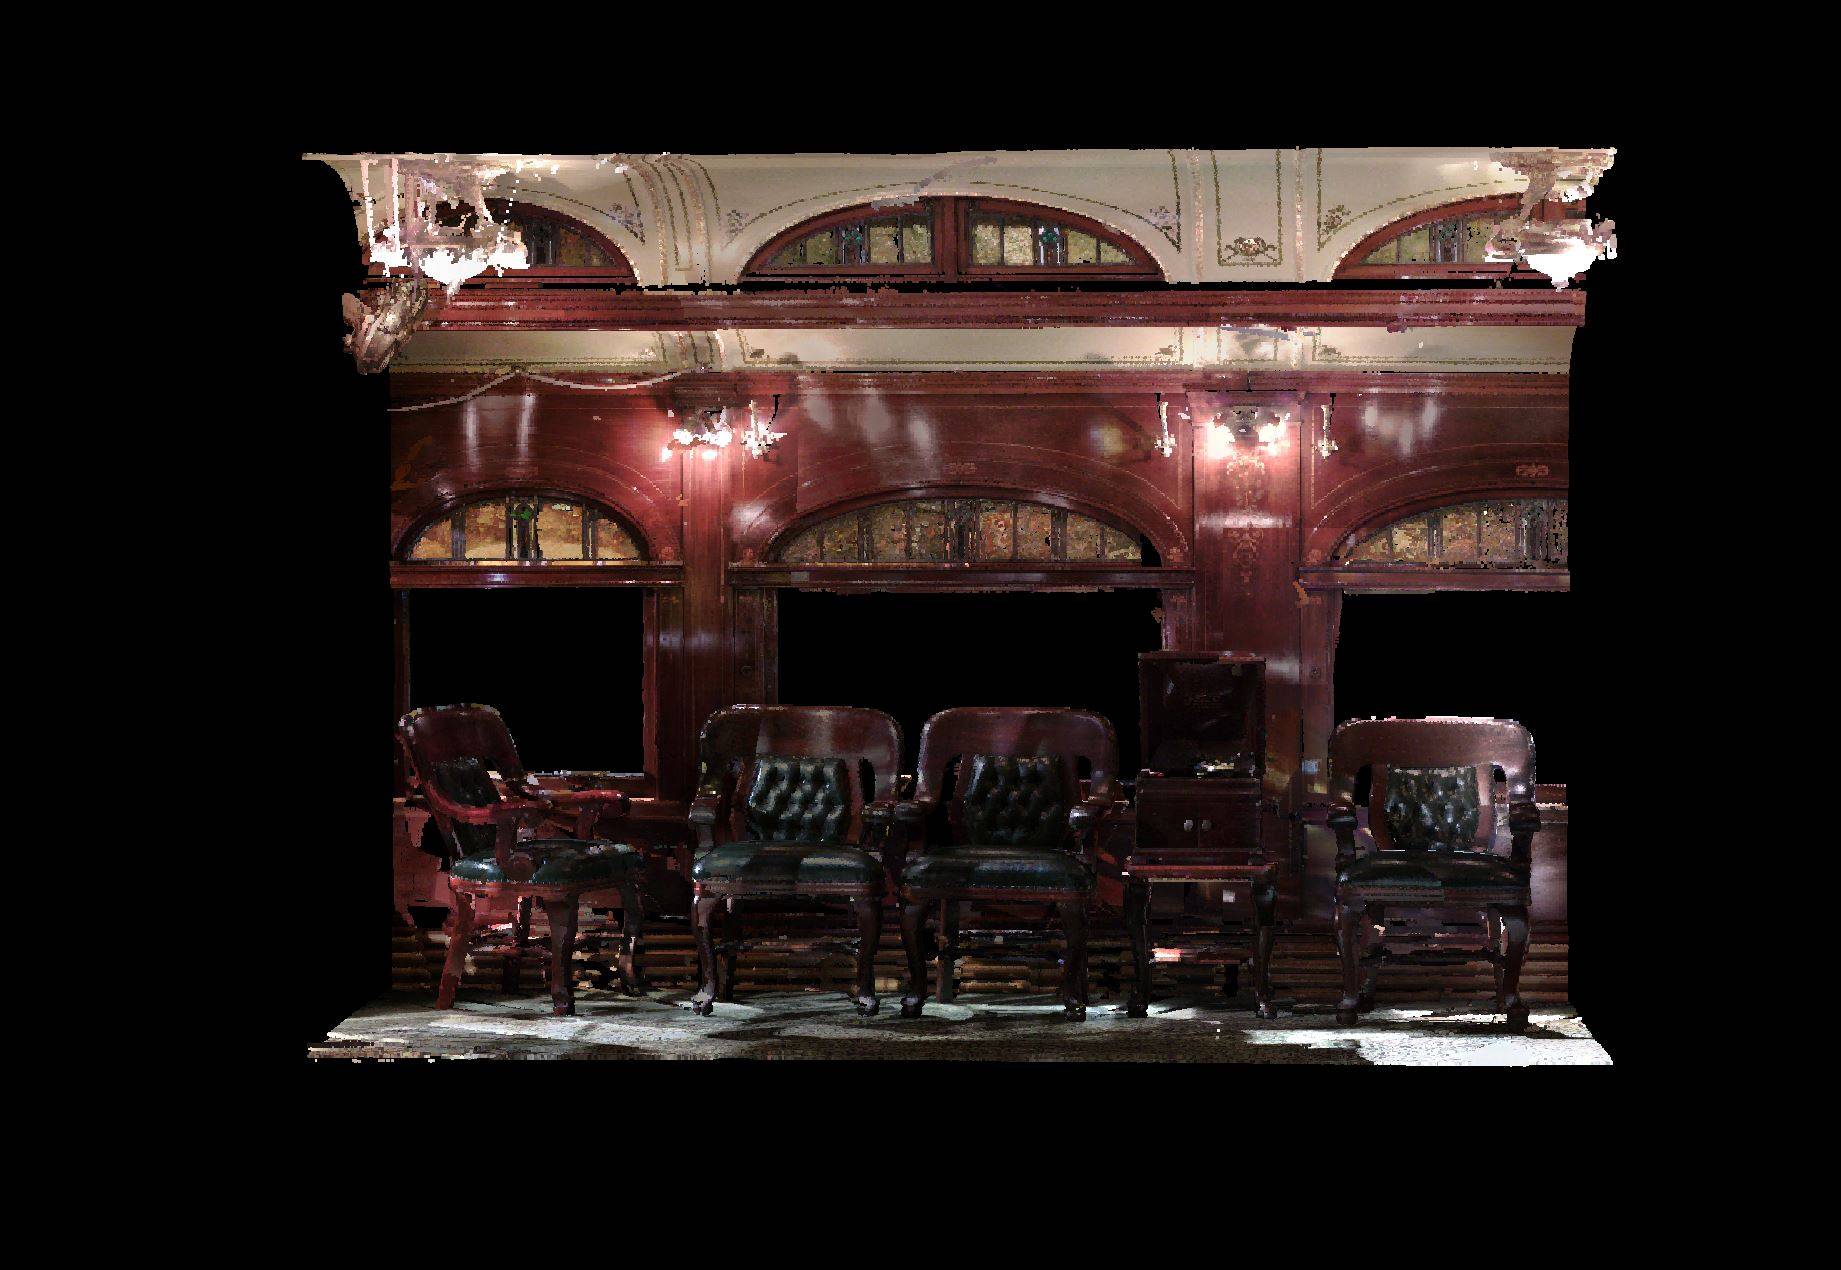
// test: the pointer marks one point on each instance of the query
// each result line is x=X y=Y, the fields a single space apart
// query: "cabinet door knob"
x=1188 y=825
x=1205 y=824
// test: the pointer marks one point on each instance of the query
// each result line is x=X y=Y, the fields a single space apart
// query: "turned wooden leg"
x=949 y=949
x=459 y=938
x=510 y=972
x=1492 y=939
x=1514 y=922
x=1371 y=964
x=562 y=914
x=869 y=939
x=1074 y=969
x=632 y=926
x=1349 y=918
x=731 y=947
x=914 y=947
x=702 y=913
x=1138 y=926
x=1265 y=922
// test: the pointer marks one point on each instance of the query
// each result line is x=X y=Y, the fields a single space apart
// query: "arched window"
x=1441 y=242
x=1526 y=533
x=963 y=531
x=952 y=240
x=525 y=527
x=560 y=247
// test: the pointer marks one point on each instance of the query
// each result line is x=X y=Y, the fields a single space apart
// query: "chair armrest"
x=708 y=809
x=1086 y=818
x=591 y=806
x=912 y=811
x=1340 y=817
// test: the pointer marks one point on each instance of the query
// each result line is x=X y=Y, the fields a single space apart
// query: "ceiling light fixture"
x=1561 y=249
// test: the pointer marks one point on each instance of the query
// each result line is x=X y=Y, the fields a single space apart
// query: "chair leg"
x=1371 y=965
x=730 y=948
x=1074 y=969
x=1138 y=926
x=513 y=964
x=1492 y=938
x=562 y=914
x=1349 y=953
x=869 y=939
x=632 y=926
x=702 y=910
x=1514 y=950
x=949 y=950
x=914 y=947
x=460 y=937
x=1265 y=918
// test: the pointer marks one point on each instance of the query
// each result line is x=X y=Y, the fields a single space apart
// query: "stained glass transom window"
x=1455 y=240
x=960 y=531
x=522 y=528
x=1509 y=533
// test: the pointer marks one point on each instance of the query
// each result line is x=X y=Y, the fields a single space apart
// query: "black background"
x=327 y=641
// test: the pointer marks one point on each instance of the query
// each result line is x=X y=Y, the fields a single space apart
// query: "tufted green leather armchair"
x=786 y=807
x=1430 y=841
x=1014 y=827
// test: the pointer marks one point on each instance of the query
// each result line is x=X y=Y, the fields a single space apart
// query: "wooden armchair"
x=449 y=752
x=1013 y=829
x=786 y=805
x=1431 y=818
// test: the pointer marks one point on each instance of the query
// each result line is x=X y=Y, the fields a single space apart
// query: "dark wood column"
x=706 y=662
x=1246 y=517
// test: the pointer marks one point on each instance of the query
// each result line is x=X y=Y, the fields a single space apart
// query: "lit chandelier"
x=711 y=433
x=1559 y=249
x=416 y=241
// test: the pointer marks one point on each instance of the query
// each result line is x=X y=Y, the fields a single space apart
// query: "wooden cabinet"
x=1199 y=800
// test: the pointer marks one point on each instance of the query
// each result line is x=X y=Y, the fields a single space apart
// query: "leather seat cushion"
x=944 y=869
x=1433 y=871
x=1015 y=802
x=782 y=865
x=560 y=862
x=797 y=799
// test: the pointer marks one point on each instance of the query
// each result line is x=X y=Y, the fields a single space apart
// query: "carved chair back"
x=1015 y=771
x=797 y=773
x=1432 y=779
x=447 y=752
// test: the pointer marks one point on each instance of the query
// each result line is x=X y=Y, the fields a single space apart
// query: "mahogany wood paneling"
x=1246 y=539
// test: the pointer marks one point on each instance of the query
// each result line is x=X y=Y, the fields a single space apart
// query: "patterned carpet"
x=977 y=1026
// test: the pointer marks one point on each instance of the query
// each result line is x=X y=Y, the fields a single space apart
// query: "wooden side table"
x=1258 y=881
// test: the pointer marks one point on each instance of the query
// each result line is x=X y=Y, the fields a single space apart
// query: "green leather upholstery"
x=1432 y=808
x=805 y=800
x=1015 y=802
x=786 y=865
x=945 y=869
x=1453 y=872
x=464 y=781
x=560 y=862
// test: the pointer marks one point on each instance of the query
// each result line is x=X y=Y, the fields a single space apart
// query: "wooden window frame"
x=1498 y=205
x=951 y=217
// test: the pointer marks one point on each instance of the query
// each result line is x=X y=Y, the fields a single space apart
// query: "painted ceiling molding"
x=1205 y=215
